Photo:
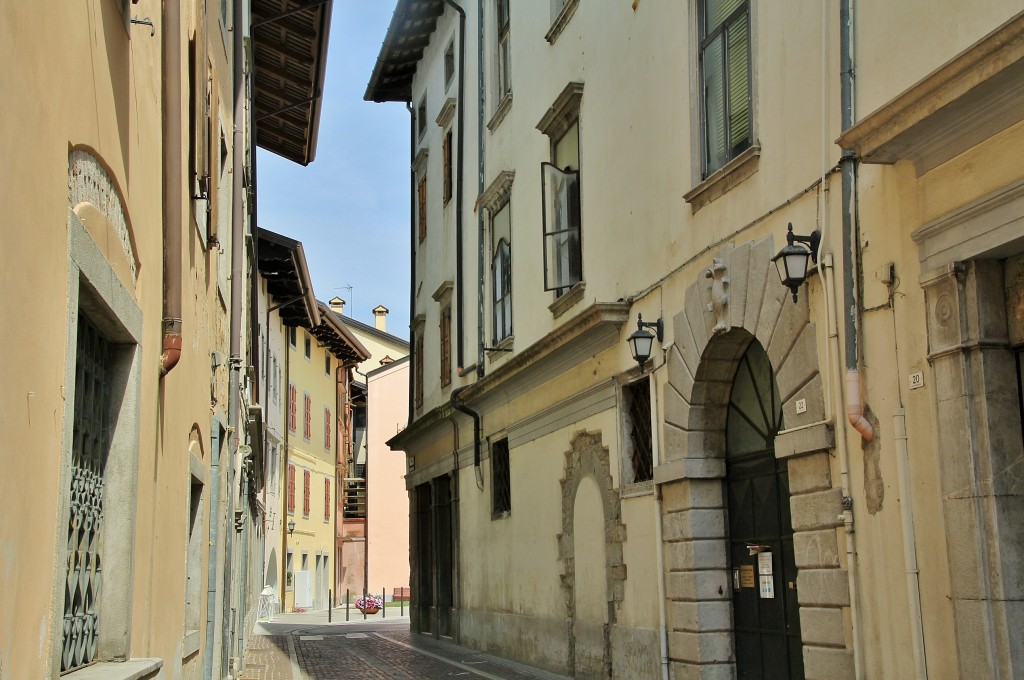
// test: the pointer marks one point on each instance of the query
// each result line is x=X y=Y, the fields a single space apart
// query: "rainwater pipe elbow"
x=458 y=405
x=854 y=407
x=172 y=345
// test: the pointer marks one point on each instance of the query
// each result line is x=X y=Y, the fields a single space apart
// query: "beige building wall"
x=313 y=537
x=387 y=500
x=84 y=123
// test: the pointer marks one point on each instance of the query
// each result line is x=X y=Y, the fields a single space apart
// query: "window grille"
x=638 y=429
x=90 y=446
x=501 y=478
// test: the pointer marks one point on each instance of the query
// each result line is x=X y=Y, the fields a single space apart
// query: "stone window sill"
x=635 y=489
x=499 y=113
x=133 y=669
x=565 y=302
x=561 y=21
x=190 y=644
x=502 y=349
x=725 y=178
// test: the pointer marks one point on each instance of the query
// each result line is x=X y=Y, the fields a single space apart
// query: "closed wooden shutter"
x=291 y=488
x=327 y=498
x=305 y=493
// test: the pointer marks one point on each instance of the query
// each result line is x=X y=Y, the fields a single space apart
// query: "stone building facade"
x=806 y=482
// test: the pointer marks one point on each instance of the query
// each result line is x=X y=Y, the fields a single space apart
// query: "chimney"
x=380 y=318
x=337 y=305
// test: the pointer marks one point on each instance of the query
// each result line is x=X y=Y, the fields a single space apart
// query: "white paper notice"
x=767 y=586
x=764 y=563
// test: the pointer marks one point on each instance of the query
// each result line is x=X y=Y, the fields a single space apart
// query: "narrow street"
x=306 y=647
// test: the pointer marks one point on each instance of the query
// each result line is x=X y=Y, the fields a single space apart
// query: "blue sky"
x=350 y=206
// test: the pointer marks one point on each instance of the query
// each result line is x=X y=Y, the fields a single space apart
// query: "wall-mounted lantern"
x=791 y=261
x=291 y=526
x=641 y=342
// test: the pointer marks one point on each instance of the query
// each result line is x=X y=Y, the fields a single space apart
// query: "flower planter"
x=368 y=610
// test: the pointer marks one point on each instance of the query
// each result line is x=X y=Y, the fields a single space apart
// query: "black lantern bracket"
x=658 y=326
x=813 y=240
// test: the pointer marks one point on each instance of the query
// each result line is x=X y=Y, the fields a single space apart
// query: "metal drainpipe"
x=211 y=572
x=458 y=405
x=172 y=185
x=480 y=177
x=412 y=261
x=851 y=230
x=459 y=236
x=237 y=249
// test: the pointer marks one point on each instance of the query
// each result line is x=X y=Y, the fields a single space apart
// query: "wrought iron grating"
x=90 y=445
x=638 y=397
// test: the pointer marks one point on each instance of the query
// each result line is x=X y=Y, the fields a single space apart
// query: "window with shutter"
x=447 y=162
x=327 y=498
x=421 y=195
x=327 y=428
x=292 y=407
x=725 y=80
x=308 y=415
x=305 y=493
x=291 y=489
x=446 y=346
x=418 y=370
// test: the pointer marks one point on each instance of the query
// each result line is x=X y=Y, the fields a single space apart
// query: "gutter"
x=172 y=185
x=459 y=182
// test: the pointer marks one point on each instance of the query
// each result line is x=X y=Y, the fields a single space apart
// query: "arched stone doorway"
x=712 y=333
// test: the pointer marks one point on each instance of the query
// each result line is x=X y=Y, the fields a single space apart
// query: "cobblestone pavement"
x=304 y=649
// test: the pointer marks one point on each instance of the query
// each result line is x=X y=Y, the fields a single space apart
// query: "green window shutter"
x=738 y=58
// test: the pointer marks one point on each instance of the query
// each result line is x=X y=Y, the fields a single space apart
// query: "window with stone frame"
x=501 y=479
x=327 y=499
x=305 y=493
x=637 y=435
x=291 y=489
x=421 y=210
x=293 y=406
x=307 y=412
x=564 y=256
x=725 y=81
x=449 y=63
x=501 y=284
x=502 y=51
x=445 y=336
x=418 y=370
x=446 y=150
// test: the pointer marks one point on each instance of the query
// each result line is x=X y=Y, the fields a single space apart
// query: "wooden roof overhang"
x=289 y=40
x=411 y=27
x=282 y=262
x=339 y=340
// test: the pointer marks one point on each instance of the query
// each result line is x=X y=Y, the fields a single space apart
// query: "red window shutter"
x=327 y=498
x=327 y=429
x=305 y=493
x=291 y=488
x=308 y=424
x=292 y=406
